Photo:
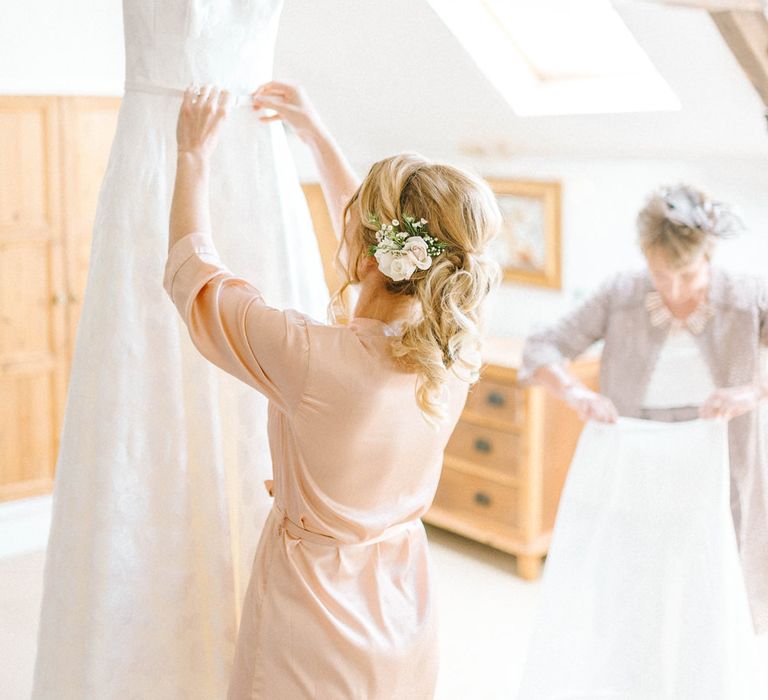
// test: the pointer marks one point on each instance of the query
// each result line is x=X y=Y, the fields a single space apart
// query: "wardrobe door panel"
x=32 y=295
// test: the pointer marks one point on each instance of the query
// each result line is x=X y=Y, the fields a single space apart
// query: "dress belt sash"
x=241 y=99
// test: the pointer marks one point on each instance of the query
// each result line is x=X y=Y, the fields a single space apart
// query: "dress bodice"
x=175 y=43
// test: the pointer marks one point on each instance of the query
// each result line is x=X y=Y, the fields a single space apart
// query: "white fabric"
x=642 y=596
x=681 y=376
x=159 y=499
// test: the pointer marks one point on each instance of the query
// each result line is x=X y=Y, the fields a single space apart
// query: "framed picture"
x=528 y=247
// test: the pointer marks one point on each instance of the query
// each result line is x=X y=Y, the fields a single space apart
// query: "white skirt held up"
x=643 y=596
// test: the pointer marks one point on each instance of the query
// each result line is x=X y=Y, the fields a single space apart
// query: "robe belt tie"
x=299 y=532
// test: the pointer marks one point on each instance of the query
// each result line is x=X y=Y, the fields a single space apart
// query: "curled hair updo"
x=683 y=223
x=462 y=212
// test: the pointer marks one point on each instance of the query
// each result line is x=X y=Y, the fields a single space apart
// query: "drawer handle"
x=496 y=399
x=482 y=499
x=483 y=445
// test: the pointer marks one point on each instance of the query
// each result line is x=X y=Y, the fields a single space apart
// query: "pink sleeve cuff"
x=192 y=262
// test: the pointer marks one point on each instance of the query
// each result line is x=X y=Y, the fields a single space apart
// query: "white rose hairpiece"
x=400 y=252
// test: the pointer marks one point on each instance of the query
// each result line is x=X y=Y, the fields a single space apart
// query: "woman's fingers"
x=212 y=103
x=591 y=413
x=602 y=413
x=602 y=410
x=263 y=102
x=222 y=107
x=270 y=84
x=582 y=408
x=274 y=87
x=205 y=93
x=202 y=110
x=271 y=118
x=225 y=102
x=585 y=409
x=712 y=407
x=189 y=95
x=716 y=411
x=272 y=92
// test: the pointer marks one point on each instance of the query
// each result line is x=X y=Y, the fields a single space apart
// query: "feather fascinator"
x=690 y=211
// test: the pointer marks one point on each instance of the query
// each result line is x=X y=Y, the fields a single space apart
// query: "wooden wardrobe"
x=54 y=153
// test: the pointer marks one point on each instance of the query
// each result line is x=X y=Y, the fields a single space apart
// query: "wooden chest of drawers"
x=507 y=459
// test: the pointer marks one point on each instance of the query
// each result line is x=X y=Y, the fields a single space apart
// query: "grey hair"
x=684 y=223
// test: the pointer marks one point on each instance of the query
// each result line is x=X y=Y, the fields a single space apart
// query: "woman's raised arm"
x=228 y=320
x=337 y=178
x=197 y=132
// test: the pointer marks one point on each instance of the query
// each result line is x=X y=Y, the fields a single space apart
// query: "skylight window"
x=558 y=56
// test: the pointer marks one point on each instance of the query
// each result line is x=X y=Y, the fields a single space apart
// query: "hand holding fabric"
x=337 y=177
x=197 y=133
x=291 y=105
x=731 y=402
x=200 y=119
x=590 y=405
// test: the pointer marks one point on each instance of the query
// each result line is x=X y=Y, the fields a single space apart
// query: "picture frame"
x=529 y=247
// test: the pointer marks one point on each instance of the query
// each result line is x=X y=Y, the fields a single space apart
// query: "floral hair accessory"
x=690 y=209
x=404 y=248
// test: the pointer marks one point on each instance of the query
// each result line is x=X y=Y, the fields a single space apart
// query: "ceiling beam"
x=746 y=33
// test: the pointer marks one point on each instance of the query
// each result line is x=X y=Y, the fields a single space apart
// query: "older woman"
x=682 y=341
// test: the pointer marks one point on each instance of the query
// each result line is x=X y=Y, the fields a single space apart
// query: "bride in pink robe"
x=339 y=603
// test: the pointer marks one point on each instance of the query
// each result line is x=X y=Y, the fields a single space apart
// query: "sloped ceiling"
x=388 y=76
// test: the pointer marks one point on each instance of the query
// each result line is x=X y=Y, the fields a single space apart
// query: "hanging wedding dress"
x=643 y=597
x=159 y=499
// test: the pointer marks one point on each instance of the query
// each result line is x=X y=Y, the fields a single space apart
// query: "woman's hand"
x=590 y=405
x=731 y=402
x=291 y=105
x=200 y=120
x=197 y=132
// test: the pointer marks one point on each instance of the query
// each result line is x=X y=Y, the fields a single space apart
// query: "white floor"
x=23 y=534
x=485 y=610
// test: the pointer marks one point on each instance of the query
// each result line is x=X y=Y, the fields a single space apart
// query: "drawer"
x=467 y=495
x=487 y=447
x=496 y=400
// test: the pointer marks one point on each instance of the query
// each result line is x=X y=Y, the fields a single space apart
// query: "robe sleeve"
x=231 y=326
x=569 y=337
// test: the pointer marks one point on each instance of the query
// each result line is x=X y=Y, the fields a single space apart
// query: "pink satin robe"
x=339 y=604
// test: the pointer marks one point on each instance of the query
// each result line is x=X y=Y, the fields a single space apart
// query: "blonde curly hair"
x=462 y=213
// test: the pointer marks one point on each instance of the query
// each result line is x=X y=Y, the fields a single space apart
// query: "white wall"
x=50 y=47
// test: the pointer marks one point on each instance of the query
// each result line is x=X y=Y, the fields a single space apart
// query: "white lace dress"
x=159 y=499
